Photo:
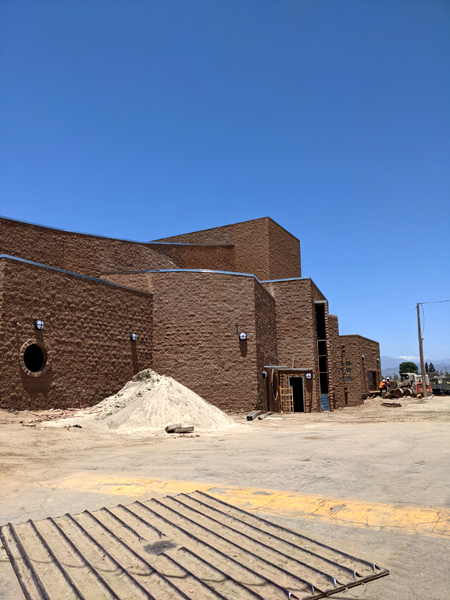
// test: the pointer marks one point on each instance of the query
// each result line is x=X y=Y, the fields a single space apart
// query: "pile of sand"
x=150 y=402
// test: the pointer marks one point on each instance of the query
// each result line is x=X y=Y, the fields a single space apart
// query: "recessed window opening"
x=323 y=383
x=320 y=321
x=322 y=348
x=34 y=358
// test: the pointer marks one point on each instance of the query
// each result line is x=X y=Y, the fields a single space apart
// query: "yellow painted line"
x=339 y=511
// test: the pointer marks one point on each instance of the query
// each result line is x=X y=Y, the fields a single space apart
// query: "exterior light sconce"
x=133 y=337
x=363 y=357
x=378 y=360
x=264 y=374
x=39 y=325
x=242 y=335
x=308 y=375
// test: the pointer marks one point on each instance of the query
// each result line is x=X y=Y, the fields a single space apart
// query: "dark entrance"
x=296 y=384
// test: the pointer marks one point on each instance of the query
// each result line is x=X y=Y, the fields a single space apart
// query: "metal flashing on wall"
x=71 y=273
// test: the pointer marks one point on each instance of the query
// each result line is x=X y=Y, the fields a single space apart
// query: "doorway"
x=296 y=383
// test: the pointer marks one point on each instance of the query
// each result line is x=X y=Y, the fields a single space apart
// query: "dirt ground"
x=373 y=481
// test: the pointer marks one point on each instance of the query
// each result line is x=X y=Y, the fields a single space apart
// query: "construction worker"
x=382 y=387
x=388 y=383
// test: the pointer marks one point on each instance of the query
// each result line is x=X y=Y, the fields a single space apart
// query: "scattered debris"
x=252 y=415
x=171 y=428
x=264 y=415
x=391 y=404
x=179 y=429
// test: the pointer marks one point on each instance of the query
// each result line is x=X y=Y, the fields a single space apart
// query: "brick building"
x=225 y=311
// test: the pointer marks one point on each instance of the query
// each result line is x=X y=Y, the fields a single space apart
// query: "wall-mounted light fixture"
x=39 y=325
x=264 y=374
x=242 y=336
x=363 y=357
x=378 y=360
x=308 y=375
x=133 y=337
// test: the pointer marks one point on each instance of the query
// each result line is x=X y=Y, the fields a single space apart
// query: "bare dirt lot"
x=373 y=481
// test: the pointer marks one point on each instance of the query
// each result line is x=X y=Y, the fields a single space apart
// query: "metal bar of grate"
x=185 y=547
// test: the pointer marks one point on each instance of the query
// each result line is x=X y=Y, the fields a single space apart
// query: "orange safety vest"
x=382 y=385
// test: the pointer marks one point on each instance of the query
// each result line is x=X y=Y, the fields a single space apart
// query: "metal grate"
x=189 y=546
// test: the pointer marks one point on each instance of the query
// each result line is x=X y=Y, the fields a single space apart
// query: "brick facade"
x=296 y=327
x=86 y=336
x=93 y=255
x=355 y=370
x=262 y=247
x=187 y=298
x=197 y=318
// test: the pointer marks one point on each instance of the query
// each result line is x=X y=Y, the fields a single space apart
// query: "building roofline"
x=42 y=266
x=288 y=279
x=104 y=237
x=231 y=225
x=358 y=335
x=181 y=271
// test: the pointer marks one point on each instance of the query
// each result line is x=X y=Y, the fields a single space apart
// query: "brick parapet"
x=80 y=253
x=262 y=247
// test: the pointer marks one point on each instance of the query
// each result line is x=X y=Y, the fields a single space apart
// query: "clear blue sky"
x=142 y=119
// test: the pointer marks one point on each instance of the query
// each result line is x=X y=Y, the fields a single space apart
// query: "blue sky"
x=141 y=119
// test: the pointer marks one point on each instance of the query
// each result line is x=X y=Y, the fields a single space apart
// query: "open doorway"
x=296 y=383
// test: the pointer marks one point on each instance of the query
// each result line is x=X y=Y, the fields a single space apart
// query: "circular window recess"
x=34 y=358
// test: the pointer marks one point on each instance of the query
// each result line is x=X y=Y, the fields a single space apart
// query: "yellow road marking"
x=340 y=511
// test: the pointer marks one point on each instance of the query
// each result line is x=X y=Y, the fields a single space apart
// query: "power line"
x=435 y=302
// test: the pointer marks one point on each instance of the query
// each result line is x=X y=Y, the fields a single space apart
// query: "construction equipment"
x=409 y=385
x=440 y=384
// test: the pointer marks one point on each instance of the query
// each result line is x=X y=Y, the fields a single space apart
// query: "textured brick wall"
x=84 y=254
x=334 y=362
x=284 y=253
x=266 y=338
x=195 y=337
x=217 y=258
x=87 y=329
x=262 y=247
x=296 y=328
x=138 y=281
x=353 y=347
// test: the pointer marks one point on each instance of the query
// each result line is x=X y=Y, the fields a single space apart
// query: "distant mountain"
x=389 y=365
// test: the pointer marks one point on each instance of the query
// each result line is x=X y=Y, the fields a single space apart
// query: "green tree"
x=408 y=367
x=427 y=370
x=431 y=369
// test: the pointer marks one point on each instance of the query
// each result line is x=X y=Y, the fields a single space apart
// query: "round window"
x=34 y=358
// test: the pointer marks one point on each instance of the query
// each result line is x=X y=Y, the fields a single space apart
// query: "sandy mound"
x=150 y=402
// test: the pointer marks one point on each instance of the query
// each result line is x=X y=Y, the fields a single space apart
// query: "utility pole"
x=422 y=363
